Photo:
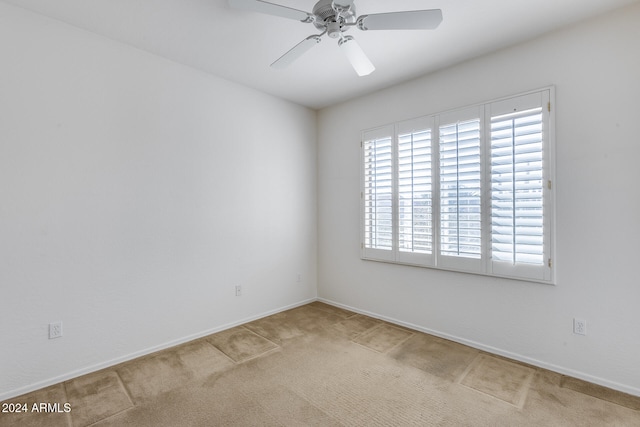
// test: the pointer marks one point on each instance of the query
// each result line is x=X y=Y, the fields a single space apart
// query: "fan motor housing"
x=327 y=18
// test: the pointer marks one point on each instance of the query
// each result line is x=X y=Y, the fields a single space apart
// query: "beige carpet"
x=319 y=365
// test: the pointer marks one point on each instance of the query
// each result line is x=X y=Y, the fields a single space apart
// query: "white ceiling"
x=239 y=45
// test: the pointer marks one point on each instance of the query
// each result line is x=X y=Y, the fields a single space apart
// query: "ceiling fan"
x=334 y=18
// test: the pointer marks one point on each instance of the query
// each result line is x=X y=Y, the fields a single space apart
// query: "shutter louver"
x=378 y=197
x=414 y=192
x=460 y=189
x=517 y=215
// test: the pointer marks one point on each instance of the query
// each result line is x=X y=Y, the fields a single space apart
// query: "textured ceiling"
x=239 y=45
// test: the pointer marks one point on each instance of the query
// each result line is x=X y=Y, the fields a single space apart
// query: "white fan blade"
x=296 y=52
x=271 y=9
x=408 y=20
x=356 y=56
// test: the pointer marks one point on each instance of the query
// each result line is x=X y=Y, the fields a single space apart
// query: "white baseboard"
x=103 y=365
x=493 y=350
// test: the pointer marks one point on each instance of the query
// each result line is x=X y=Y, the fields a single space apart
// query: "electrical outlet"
x=238 y=290
x=579 y=326
x=55 y=330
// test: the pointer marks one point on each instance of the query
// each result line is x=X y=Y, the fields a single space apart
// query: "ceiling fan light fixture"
x=333 y=18
x=356 y=56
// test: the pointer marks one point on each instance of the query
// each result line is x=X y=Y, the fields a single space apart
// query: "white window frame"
x=484 y=265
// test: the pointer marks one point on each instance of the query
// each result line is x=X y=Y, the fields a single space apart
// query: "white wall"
x=595 y=67
x=134 y=194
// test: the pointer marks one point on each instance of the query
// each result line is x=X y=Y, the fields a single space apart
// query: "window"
x=466 y=190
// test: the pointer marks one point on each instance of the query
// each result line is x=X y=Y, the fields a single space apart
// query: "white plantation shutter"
x=461 y=189
x=519 y=223
x=516 y=187
x=414 y=184
x=378 y=193
x=467 y=190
